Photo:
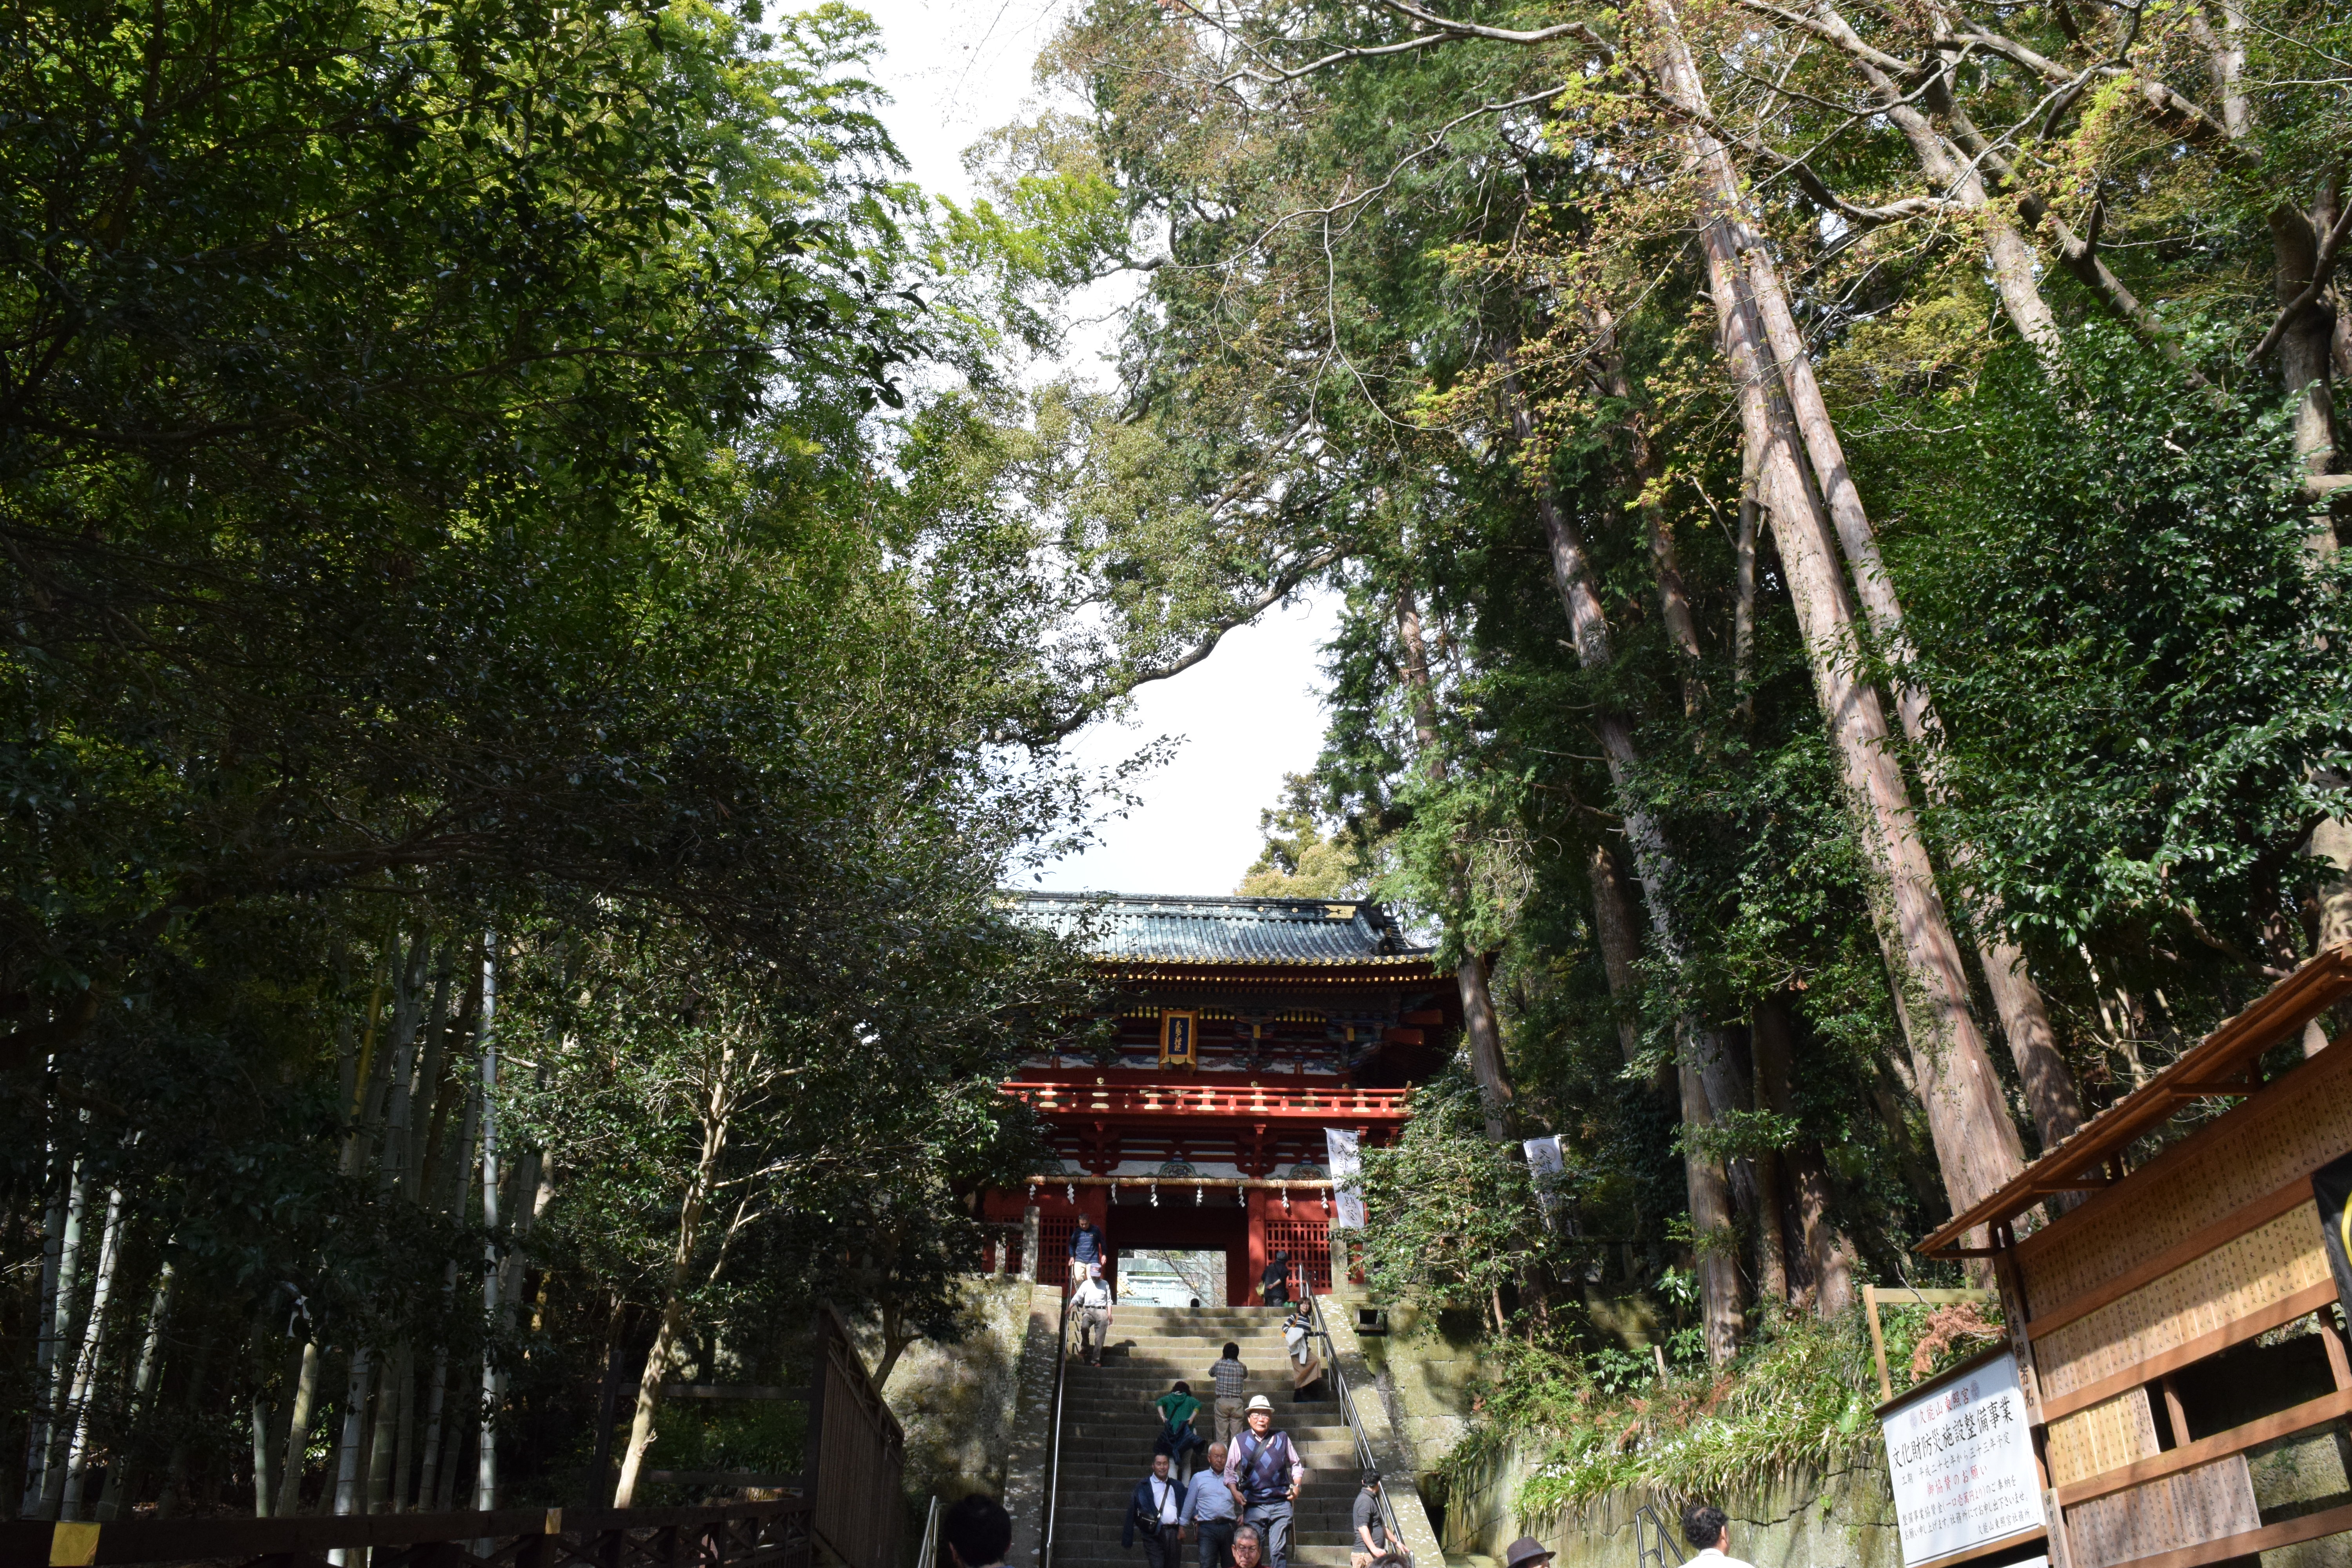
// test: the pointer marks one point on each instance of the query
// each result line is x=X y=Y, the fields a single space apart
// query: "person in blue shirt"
x=1085 y=1246
x=1211 y=1512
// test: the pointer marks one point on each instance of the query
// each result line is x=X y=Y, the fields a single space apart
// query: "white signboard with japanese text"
x=1961 y=1459
x=1346 y=1165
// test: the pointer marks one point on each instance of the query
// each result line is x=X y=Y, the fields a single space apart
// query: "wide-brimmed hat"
x=1260 y=1401
x=1525 y=1551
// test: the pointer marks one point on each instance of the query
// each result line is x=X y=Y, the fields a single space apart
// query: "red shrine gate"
x=1193 y=1115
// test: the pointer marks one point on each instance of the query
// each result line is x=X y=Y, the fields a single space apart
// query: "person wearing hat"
x=1527 y=1551
x=1266 y=1470
x=1092 y=1305
x=1372 y=1545
x=1709 y=1529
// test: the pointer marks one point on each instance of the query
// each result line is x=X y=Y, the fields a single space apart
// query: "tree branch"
x=2322 y=266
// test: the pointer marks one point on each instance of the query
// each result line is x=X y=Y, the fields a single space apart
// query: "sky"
x=1250 y=712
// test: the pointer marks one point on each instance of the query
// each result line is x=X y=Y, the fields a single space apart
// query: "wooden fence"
x=857 y=1454
x=738 y=1535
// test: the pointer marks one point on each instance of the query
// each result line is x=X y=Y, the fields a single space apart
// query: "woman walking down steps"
x=1108 y=1423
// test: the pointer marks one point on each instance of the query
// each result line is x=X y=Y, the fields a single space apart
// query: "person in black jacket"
x=1273 y=1285
x=1153 y=1512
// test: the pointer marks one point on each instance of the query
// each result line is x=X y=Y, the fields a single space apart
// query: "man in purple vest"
x=1266 y=1473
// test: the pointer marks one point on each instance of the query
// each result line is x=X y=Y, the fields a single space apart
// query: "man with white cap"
x=1265 y=1471
x=1091 y=1303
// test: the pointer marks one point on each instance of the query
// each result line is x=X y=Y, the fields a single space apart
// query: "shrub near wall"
x=1571 y=1445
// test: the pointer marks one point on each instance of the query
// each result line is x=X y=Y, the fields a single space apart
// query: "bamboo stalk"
x=62 y=1175
x=297 y=1431
x=86 y=1363
x=142 y=1384
x=485 y=1473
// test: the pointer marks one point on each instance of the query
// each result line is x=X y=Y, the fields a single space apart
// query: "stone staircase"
x=1108 y=1425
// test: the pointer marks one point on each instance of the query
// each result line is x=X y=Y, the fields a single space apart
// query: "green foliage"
x=1452 y=1220
x=2120 y=610
x=1799 y=1397
x=1298 y=861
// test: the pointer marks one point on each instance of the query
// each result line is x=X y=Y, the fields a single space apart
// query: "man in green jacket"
x=1176 y=1437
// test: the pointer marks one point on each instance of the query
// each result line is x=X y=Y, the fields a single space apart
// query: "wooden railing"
x=857 y=1454
x=738 y=1535
x=1211 y=1099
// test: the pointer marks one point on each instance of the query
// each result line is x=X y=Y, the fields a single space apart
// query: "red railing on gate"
x=1207 y=1099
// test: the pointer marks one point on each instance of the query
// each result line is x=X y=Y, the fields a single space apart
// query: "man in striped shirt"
x=1229 y=1377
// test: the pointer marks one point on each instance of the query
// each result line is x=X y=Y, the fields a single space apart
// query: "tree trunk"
x=429 y=1465
x=261 y=1476
x=1580 y=595
x=298 y=1432
x=717 y=1114
x=377 y=1496
x=1743 y=609
x=1976 y=1144
x=347 y=1448
x=1712 y=1235
x=1620 y=943
x=61 y=1255
x=84 y=1399
x=1828 y=1256
x=2305 y=345
x=486 y=1454
x=142 y=1387
x=1478 y=1024
x=2050 y=1083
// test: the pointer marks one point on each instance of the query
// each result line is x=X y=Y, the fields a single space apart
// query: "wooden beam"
x=2221 y=1232
x=2286 y=1533
x=2277 y=1314
x=2205 y=1450
x=1878 y=1343
x=1983 y=1549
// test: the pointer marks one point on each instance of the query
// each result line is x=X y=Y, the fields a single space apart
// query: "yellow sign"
x=1176 y=1039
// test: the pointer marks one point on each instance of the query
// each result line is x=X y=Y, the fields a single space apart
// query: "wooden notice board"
x=2141 y=1318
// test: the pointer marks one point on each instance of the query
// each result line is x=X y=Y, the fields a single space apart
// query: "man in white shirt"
x=1153 y=1512
x=1091 y=1303
x=1708 y=1530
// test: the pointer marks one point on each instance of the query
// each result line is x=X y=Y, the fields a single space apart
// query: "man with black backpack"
x=1266 y=1470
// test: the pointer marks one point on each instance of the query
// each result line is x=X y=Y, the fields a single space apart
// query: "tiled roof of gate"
x=1133 y=928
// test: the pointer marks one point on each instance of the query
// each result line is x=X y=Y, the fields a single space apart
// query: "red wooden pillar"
x=1256 y=1201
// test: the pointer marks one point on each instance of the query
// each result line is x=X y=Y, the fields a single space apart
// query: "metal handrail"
x=1054 y=1448
x=1365 y=1459
x=929 y=1557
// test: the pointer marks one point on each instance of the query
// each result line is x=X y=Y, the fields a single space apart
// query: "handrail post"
x=1053 y=1447
x=1365 y=1459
